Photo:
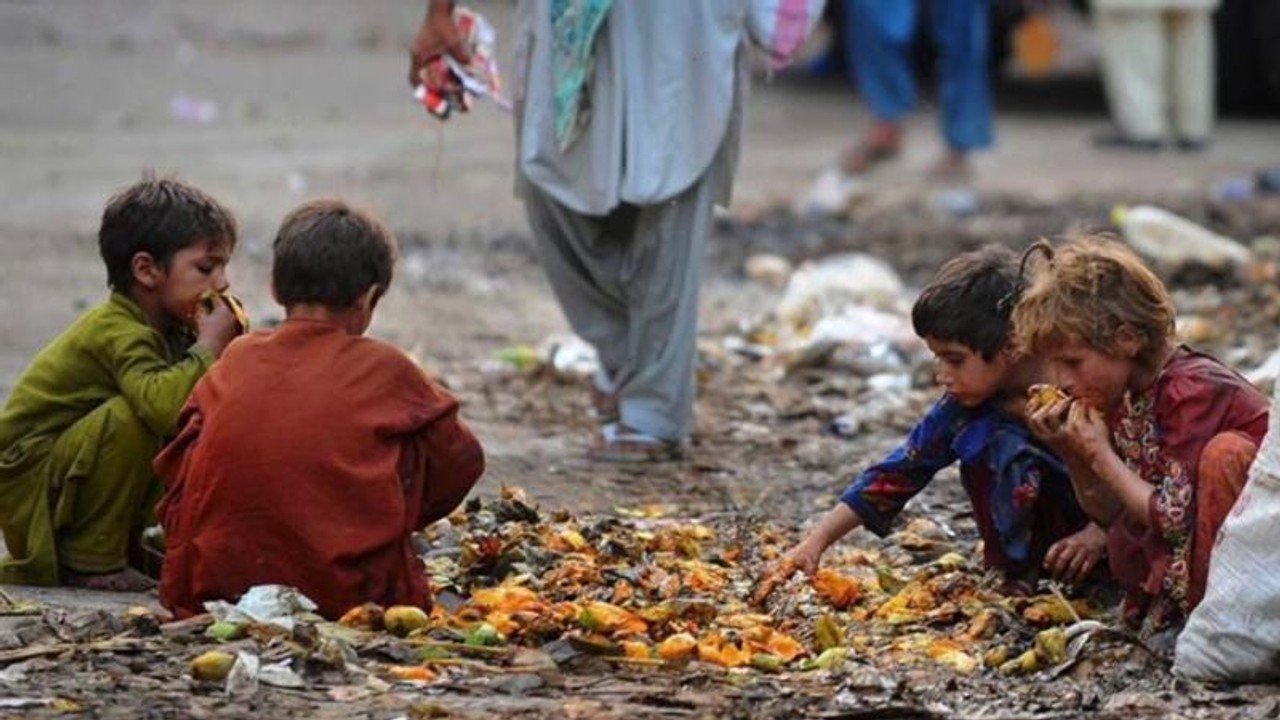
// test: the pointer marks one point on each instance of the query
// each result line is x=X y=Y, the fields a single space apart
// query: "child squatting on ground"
x=1022 y=499
x=80 y=429
x=1159 y=437
x=310 y=454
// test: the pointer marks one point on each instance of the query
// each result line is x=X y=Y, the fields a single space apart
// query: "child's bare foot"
x=126 y=580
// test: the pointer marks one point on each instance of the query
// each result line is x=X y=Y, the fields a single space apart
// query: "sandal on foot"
x=620 y=444
x=126 y=580
x=604 y=405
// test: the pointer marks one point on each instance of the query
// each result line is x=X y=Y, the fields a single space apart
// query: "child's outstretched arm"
x=880 y=492
x=838 y=522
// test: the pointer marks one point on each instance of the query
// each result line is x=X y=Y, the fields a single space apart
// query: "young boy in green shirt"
x=82 y=425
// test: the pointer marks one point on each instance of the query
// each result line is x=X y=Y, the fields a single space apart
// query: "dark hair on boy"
x=970 y=301
x=158 y=216
x=329 y=253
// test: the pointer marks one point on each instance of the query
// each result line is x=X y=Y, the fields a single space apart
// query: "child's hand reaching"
x=805 y=556
x=216 y=327
x=1072 y=558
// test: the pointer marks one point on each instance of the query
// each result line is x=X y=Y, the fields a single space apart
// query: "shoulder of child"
x=394 y=362
x=1195 y=377
x=109 y=323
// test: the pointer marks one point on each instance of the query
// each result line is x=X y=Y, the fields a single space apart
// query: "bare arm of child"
x=835 y=524
x=1086 y=436
x=1096 y=498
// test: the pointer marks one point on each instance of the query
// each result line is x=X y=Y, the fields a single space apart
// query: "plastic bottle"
x=1171 y=240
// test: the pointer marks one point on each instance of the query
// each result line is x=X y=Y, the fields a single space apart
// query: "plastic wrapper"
x=448 y=85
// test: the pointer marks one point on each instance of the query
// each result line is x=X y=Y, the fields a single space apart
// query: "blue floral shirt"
x=1020 y=490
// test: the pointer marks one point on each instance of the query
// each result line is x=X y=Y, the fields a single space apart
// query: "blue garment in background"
x=878 y=35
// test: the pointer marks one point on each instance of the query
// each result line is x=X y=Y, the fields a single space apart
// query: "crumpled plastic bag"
x=264 y=604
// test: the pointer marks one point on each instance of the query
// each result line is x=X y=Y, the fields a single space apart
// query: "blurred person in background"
x=1157 y=66
x=628 y=120
x=879 y=35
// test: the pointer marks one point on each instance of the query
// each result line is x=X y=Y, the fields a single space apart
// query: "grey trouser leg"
x=628 y=284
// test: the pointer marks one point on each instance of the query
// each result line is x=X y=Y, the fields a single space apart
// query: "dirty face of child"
x=192 y=271
x=967 y=377
x=1089 y=375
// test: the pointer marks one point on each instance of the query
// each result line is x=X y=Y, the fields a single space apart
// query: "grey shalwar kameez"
x=621 y=217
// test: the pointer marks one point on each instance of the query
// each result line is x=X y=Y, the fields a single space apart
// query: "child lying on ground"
x=1022 y=498
x=83 y=423
x=310 y=454
x=1163 y=435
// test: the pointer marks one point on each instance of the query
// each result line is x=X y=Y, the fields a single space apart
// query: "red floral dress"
x=1160 y=433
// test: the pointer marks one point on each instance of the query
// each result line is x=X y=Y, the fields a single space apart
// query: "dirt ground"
x=269 y=104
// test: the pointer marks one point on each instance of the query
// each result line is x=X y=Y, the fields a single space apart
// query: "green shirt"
x=109 y=351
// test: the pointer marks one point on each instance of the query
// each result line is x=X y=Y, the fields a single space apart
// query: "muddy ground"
x=308 y=99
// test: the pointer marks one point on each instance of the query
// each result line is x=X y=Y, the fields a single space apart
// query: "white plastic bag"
x=1234 y=634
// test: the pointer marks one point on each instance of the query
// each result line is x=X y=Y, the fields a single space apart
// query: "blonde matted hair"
x=1084 y=291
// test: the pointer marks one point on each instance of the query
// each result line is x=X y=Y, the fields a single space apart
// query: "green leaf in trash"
x=225 y=631
x=767 y=662
x=827 y=632
x=434 y=652
x=483 y=635
x=520 y=357
x=889 y=582
x=827 y=659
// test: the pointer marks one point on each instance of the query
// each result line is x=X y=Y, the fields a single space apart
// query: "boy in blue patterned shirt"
x=1023 y=503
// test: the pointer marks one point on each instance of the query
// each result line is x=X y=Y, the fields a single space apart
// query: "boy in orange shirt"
x=311 y=454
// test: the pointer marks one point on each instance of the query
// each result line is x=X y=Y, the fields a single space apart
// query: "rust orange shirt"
x=307 y=457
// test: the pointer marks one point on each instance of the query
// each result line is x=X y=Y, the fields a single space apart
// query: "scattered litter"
x=819 y=289
x=15 y=674
x=281 y=675
x=264 y=604
x=1235 y=188
x=194 y=110
x=24 y=703
x=242 y=680
x=1171 y=241
x=771 y=270
x=570 y=355
x=956 y=202
x=1267 y=372
x=832 y=193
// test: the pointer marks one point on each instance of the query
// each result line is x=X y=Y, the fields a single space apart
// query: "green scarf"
x=574 y=25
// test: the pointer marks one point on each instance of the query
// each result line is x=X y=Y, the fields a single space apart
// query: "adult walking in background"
x=879 y=35
x=1157 y=66
x=628 y=119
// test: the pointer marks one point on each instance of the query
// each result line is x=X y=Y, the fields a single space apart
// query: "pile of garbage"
x=529 y=595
